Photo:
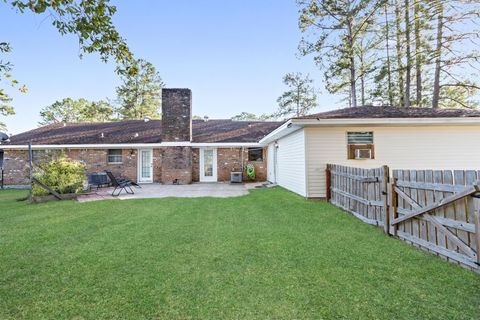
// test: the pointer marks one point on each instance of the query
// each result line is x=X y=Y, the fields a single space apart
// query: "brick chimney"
x=176 y=115
x=176 y=127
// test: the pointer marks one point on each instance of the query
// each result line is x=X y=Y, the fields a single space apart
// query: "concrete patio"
x=194 y=190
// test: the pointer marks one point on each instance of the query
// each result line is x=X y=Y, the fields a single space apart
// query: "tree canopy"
x=140 y=94
x=89 y=20
x=299 y=99
x=402 y=52
x=247 y=116
x=81 y=110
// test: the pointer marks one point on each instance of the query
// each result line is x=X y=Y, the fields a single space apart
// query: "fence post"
x=30 y=171
x=476 y=213
x=328 y=174
x=394 y=205
x=386 y=220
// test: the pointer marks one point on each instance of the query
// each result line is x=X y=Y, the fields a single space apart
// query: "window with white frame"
x=114 y=156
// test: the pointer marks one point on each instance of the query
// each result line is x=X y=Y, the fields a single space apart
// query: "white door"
x=208 y=164
x=145 y=167
x=271 y=162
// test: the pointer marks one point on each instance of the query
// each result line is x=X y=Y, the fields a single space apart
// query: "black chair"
x=98 y=180
x=120 y=184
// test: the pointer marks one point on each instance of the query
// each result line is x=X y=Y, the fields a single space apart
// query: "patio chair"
x=98 y=180
x=119 y=184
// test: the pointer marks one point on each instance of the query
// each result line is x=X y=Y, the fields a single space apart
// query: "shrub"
x=62 y=175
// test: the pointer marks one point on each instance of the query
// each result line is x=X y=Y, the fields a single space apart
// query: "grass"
x=268 y=255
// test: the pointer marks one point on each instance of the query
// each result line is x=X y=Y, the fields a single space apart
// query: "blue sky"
x=232 y=54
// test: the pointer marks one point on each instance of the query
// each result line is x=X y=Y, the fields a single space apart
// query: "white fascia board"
x=132 y=145
x=387 y=121
x=284 y=130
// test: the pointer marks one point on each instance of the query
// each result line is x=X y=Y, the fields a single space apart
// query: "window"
x=114 y=156
x=255 y=154
x=43 y=156
x=360 y=137
x=360 y=145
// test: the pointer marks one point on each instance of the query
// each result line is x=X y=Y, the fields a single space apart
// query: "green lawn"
x=268 y=255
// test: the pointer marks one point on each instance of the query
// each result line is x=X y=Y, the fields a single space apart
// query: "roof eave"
x=131 y=145
x=285 y=129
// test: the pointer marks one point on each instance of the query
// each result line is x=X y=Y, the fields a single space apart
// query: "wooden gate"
x=363 y=192
x=439 y=211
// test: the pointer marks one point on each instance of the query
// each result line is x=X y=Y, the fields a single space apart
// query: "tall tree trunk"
x=399 y=52
x=438 y=53
x=362 y=77
x=298 y=100
x=389 y=69
x=408 y=53
x=353 y=88
x=418 y=55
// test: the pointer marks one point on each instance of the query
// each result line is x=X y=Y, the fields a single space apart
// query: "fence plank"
x=414 y=196
x=400 y=202
x=460 y=206
x=430 y=198
x=439 y=212
x=422 y=201
x=471 y=178
x=449 y=210
x=386 y=212
x=476 y=204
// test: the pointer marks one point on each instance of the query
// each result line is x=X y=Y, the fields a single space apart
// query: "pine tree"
x=299 y=99
x=140 y=94
x=334 y=28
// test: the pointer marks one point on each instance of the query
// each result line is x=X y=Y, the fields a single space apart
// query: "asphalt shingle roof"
x=139 y=131
x=393 y=112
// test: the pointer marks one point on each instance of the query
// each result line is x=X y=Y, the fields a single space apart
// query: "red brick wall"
x=16 y=167
x=157 y=165
x=165 y=167
x=228 y=160
x=176 y=165
x=195 y=164
x=95 y=160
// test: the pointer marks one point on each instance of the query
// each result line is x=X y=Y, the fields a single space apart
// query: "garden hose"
x=251 y=171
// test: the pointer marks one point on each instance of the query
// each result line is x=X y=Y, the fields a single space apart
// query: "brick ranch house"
x=175 y=149
x=292 y=154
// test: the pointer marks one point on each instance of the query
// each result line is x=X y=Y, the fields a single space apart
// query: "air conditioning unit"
x=363 y=154
x=235 y=177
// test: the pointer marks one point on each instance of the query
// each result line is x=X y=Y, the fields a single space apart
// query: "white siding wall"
x=435 y=147
x=291 y=162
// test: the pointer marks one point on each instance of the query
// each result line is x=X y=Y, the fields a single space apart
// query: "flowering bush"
x=62 y=175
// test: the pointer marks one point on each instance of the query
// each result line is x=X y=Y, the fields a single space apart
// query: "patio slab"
x=194 y=190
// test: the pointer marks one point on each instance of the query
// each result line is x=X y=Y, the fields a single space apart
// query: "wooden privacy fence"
x=362 y=192
x=437 y=210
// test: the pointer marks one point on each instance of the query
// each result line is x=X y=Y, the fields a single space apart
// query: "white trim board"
x=133 y=145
